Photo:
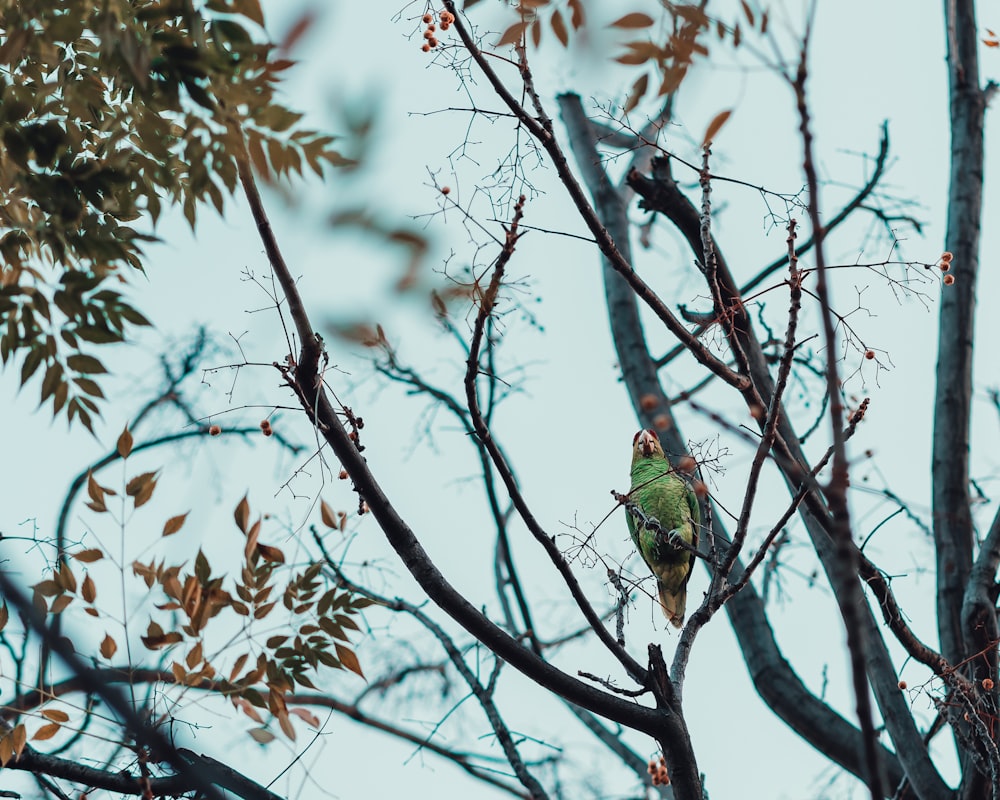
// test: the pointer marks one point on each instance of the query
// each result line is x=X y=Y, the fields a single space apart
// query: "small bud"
x=757 y=412
x=648 y=402
x=445 y=190
x=427 y=18
x=661 y=422
x=343 y=475
x=215 y=430
x=267 y=431
x=948 y=279
x=869 y=354
x=988 y=684
x=426 y=47
x=687 y=464
x=901 y=684
x=699 y=488
x=432 y=42
x=432 y=27
x=946 y=257
x=944 y=266
x=428 y=34
x=265 y=425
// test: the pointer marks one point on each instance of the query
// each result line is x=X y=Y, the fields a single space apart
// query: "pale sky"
x=870 y=62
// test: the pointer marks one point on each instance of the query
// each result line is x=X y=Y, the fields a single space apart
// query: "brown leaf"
x=55 y=715
x=577 y=17
x=349 y=659
x=20 y=734
x=638 y=90
x=238 y=666
x=4 y=616
x=286 y=725
x=47 y=588
x=124 y=445
x=748 y=12
x=96 y=492
x=714 y=126
x=194 y=657
x=108 y=647
x=65 y=577
x=272 y=554
x=261 y=735
x=89 y=556
x=327 y=514
x=174 y=524
x=88 y=590
x=46 y=732
x=559 y=28
x=632 y=21
x=305 y=715
x=513 y=34
x=242 y=514
x=138 y=483
x=60 y=603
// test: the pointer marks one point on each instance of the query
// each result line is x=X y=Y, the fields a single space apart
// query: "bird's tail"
x=673 y=603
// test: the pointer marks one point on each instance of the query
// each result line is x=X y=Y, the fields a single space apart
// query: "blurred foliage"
x=277 y=626
x=108 y=112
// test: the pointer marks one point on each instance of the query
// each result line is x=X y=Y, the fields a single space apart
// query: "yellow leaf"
x=124 y=445
x=632 y=21
x=714 y=126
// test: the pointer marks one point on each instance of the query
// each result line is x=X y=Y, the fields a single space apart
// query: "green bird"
x=664 y=496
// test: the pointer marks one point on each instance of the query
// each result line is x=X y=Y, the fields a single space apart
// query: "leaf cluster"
x=108 y=112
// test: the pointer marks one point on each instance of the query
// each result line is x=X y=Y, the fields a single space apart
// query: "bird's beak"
x=647 y=443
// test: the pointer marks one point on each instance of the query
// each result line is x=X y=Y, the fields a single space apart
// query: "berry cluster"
x=944 y=266
x=265 y=427
x=445 y=20
x=658 y=771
